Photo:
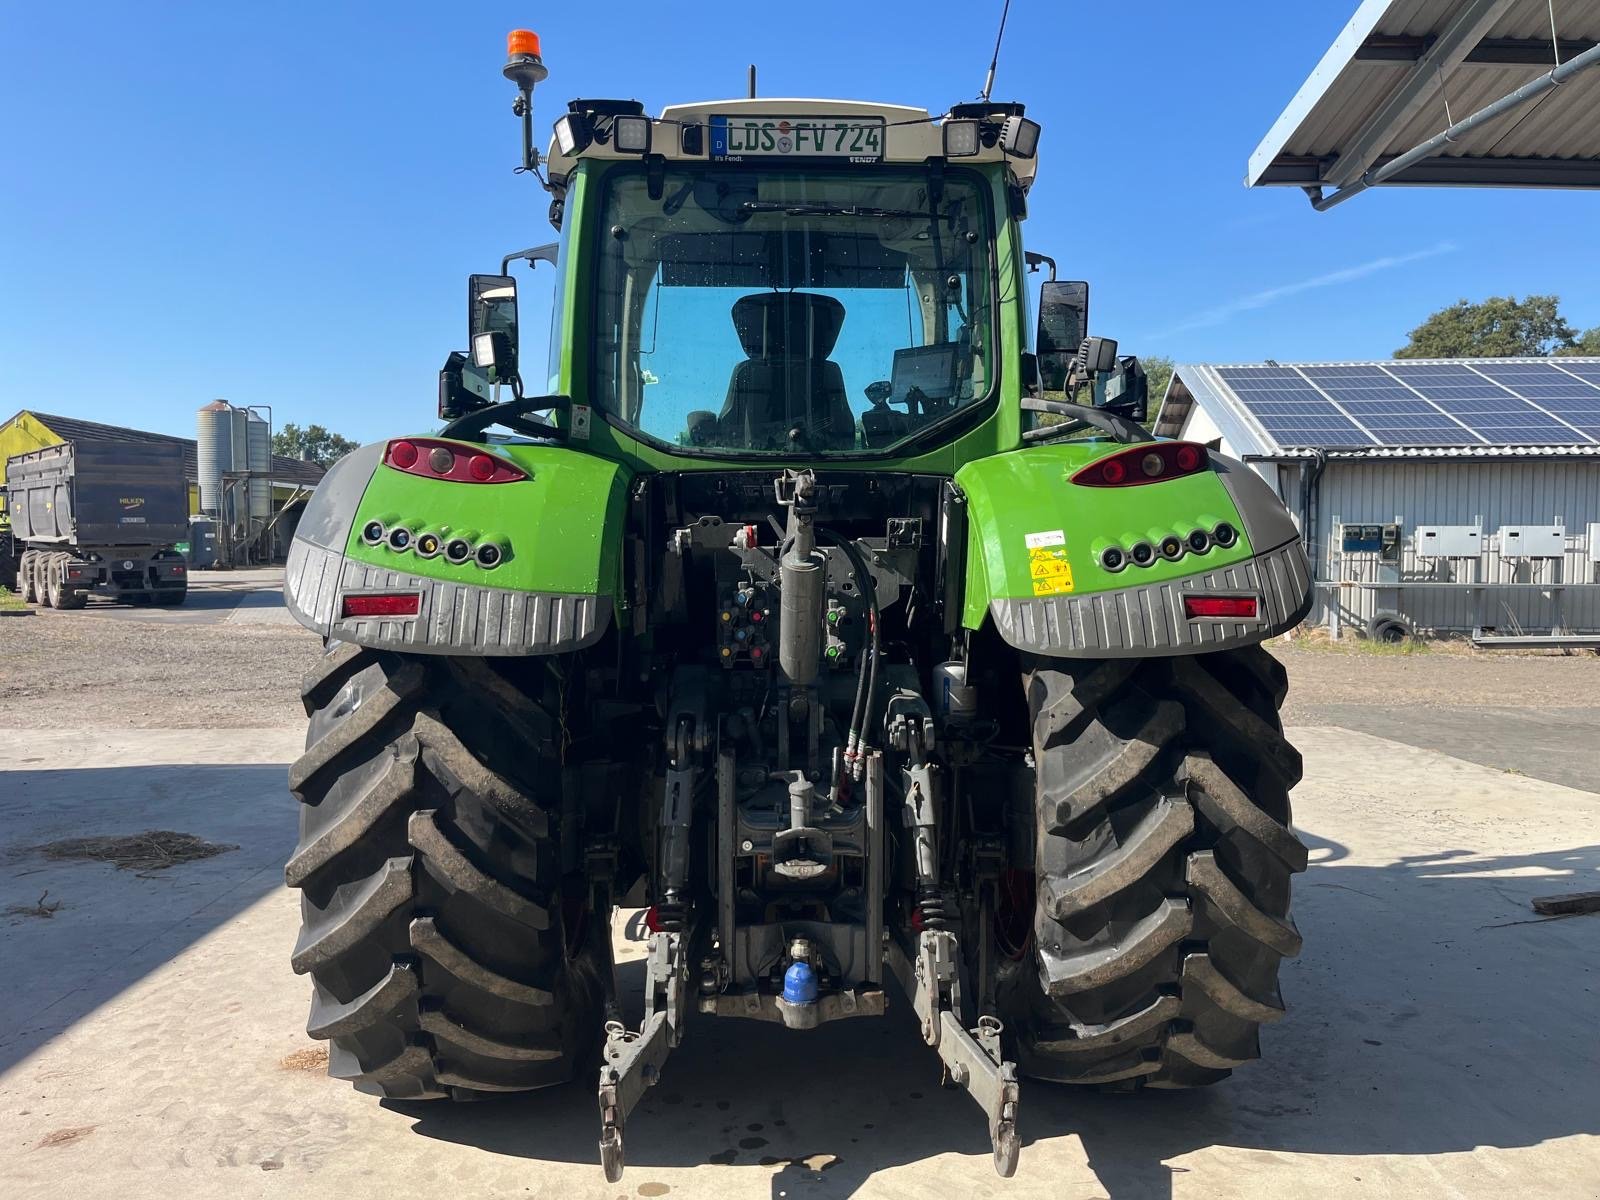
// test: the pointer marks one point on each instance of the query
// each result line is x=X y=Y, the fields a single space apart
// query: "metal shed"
x=1458 y=495
x=1445 y=92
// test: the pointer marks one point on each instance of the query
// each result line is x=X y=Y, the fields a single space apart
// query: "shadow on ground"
x=1422 y=1022
x=116 y=926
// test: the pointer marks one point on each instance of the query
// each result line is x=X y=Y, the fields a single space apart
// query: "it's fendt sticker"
x=1048 y=567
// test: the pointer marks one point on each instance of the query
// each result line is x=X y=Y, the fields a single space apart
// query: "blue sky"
x=278 y=204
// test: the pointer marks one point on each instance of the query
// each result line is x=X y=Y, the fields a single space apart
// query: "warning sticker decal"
x=1050 y=537
x=1050 y=570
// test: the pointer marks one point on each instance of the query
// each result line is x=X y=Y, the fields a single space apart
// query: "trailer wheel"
x=442 y=957
x=55 y=578
x=71 y=596
x=25 y=581
x=1164 y=856
x=171 y=597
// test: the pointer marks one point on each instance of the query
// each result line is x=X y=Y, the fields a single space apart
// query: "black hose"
x=867 y=676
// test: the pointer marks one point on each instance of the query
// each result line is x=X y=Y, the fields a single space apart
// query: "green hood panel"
x=1034 y=533
x=560 y=530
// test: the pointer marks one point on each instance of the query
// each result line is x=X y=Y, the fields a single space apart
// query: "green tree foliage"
x=1499 y=327
x=1588 y=343
x=1158 y=370
x=313 y=443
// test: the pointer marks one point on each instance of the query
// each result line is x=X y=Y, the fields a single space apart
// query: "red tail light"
x=382 y=604
x=434 y=459
x=1148 y=462
x=1241 y=607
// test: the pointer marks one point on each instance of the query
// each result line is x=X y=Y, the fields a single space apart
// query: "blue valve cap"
x=800 y=984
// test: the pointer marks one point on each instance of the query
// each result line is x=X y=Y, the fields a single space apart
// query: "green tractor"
x=792 y=611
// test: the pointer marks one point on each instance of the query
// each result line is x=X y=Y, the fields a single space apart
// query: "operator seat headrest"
x=788 y=324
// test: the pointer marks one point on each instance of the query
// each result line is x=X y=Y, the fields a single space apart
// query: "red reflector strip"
x=382 y=604
x=1220 y=606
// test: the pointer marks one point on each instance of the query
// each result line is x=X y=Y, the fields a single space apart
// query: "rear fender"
x=552 y=590
x=1035 y=541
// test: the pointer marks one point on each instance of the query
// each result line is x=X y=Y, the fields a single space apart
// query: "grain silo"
x=214 y=457
x=258 y=461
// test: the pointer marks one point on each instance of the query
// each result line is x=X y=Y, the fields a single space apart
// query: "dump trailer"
x=812 y=611
x=101 y=517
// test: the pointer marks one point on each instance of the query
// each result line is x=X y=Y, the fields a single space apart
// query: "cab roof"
x=911 y=135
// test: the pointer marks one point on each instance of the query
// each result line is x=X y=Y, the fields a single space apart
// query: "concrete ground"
x=253 y=596
x=1441 y=1040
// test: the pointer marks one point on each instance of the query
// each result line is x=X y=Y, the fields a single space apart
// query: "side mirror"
x=1063 y=322
x=492 y=325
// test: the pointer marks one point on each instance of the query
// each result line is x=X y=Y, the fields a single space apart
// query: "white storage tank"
x=258 y=461
x=214 y=454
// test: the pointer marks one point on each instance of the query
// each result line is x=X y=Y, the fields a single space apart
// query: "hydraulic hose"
x=867 y=675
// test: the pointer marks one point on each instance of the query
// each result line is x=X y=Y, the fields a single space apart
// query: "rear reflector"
x=1243 y=607
x=382 y=604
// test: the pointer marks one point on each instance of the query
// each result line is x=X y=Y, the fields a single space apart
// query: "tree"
x=1588 y=343
x=1499 y=327
x=314 y=444
x=1158 y=371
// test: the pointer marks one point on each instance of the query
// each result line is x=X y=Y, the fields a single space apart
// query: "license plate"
x=851 y=139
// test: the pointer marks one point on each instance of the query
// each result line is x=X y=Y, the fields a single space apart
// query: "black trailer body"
x=102 y=517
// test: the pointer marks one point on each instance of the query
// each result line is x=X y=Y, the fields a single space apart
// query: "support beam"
x=1508 y=103
x=1491 y=52
x=1291 y=171
x=1452 y=46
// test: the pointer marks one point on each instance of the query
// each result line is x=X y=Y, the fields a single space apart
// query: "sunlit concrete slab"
x=1440 y=1041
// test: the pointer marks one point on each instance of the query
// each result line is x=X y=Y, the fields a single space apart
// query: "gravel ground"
x=1445 y=676
x=57 y=668
x=66 y=668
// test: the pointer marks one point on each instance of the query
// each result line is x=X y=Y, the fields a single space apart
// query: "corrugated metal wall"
x=1541 y=492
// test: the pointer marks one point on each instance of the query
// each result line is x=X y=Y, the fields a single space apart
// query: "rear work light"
x=382 y=604
x=1236 y=607
x=434 y=459
x=1149 y=462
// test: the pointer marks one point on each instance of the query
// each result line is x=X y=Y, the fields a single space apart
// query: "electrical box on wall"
x=1389 y=544
x=1362 y=539
x=1448 y=541
x=1594 y=542
x=1533 y=541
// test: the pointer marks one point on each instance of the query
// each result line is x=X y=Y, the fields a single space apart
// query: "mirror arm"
x=470 y=428
x=1120 y=427
x=533 y=256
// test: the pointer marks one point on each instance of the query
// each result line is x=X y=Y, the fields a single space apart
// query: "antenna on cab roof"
x=988 y=81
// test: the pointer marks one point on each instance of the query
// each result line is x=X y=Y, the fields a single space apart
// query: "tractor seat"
x=787 y=380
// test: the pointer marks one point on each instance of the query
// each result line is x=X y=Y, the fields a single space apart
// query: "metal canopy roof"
x=1484 y=407
x=1519 y=109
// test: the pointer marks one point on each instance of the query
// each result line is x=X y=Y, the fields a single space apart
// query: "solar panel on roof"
x=1467 y=403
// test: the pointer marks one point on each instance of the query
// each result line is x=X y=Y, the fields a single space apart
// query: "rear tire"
x=172 y=597
x=429 y=870
x=1164 y=856
x=54 y=572
x=25 y=581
